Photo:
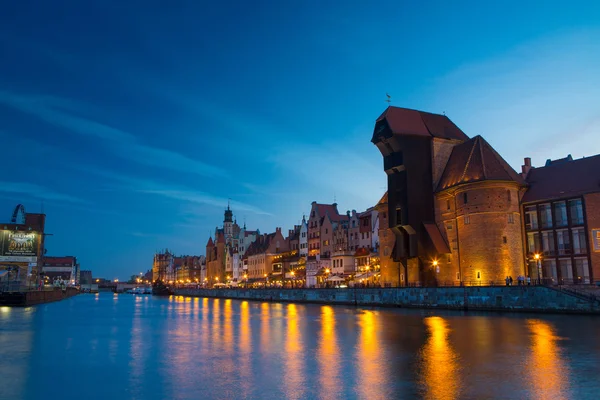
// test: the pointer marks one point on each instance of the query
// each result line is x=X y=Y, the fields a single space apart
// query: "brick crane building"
x=453 y=202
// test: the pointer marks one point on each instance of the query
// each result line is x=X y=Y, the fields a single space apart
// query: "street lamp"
x=293 y=274
x=537 y=258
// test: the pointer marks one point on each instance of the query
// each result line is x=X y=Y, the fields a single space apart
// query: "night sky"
x=133 y=124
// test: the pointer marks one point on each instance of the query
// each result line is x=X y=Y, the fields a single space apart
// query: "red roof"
x=475 y=160
x=220 y=238
x=564 y=179
x=405 y=121
x=210 y=242
x=330 y=210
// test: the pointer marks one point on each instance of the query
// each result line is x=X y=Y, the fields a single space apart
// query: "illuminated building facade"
x=22 y=247
x=460 y=214
x=561 y=212
x=453 y=202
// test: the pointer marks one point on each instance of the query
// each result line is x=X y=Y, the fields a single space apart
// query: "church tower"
x=228 y=225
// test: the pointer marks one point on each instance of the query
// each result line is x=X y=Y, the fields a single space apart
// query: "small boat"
x=160 y=289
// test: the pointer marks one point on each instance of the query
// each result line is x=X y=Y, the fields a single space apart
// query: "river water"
x=141 y=347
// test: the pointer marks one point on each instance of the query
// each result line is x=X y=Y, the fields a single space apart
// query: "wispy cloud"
x=37 y=192
x=193 y=198
x=62 y=113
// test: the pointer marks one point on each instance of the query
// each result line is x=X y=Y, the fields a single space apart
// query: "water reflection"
x=265 y=327
x=244 y=350
x=136 y=352
x=16 y=341
x=369 y=357
x=328 y=355
x=548 y=373
x=163 y=348
x=294 y=374
x=441 y=377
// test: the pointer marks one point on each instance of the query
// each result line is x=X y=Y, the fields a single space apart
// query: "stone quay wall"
x=476 y=298
x=32 y=298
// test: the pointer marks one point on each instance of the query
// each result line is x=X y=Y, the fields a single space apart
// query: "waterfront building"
x=188 y=268
x=181 y=273
x=321 y=223
x=453 y=202
x=303 y=241
x=391 y=272
x=226 y=263
x=163 y=267
x=366 y=222
x=62 y=268
x=354 y=231
x=477 y=211
x=215 y=260
x=85 y=277
x=561 y=216
x=261 y=255
x=22 y=246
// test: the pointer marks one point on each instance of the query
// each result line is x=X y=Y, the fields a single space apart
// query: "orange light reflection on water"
x=293 y=375
x=328 y=355
x=369 y=357
x=441 y=372
x=265 y=327
x=547 y=370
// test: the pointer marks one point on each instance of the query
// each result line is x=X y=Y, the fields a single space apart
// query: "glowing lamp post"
x=538 y=261
x=293 y=279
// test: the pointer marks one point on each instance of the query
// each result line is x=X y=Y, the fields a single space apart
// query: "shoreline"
x=501 y=299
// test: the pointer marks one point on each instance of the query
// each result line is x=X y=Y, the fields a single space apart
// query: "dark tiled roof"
x=565 y=179
x=330 y=210
x=475 y=160
x=260 y=245
x=413 y=122
x=559 y=161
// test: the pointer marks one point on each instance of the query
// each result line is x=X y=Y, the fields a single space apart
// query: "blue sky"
x=135 y=123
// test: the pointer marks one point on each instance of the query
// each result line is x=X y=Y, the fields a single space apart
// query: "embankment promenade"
x=475 y=298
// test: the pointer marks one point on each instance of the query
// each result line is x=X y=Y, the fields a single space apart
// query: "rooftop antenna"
x=389 y=99
x=444 y=112
x=334 y=198
x=42 y=211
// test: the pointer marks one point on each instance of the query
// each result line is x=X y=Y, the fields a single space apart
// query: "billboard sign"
x=19 y=246
x=596 y=239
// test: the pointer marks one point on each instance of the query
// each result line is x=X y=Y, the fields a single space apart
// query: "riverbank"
x=486 y=298
x=32 y=298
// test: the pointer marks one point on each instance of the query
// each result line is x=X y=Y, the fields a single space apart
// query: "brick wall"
x=486 y=242
x=592 y=212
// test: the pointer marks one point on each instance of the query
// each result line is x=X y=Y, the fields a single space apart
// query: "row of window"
x=352 y=235
x=554 y=215
x=338 y=263
x=564 y=271
x=560 y=242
